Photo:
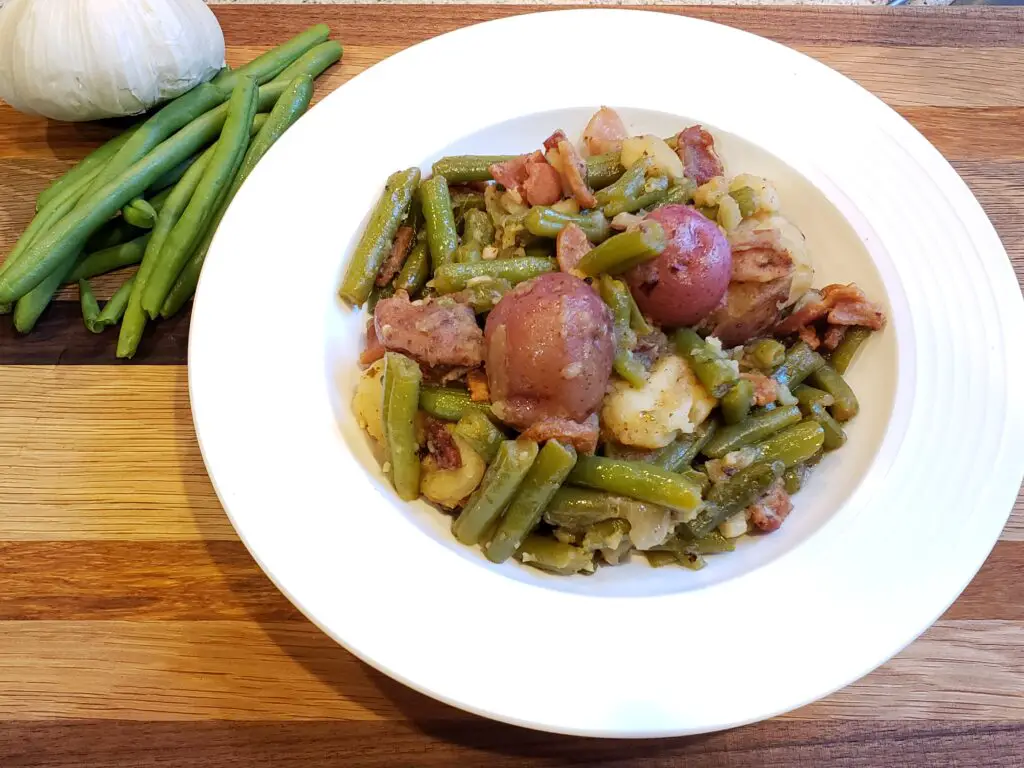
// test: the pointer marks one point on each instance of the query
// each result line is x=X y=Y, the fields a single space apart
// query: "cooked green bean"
x=843 y=354
x=765 y=354
x=732 y=496
x=450 y=404
x=376 y=240
x=793 y=478
x=545 y=477
x=547 y=222
x=680 y=453
x=737 y=402
x=712 y=544
x=478 y=232
x=792 y=445
x=711 y=365
x=698 y=478
x=416 y=270
x=630 y=184
x=269 y=65
x=637 y=321
x=808 y=397
x=579 y=508
x=801 y=361
x=479 y=431
x=608 y=534
x=463 y=201
x=681 y=193
x=637 y=480
x=462 y=169
x=615 y=294
x=90 y=307
x=402 y=378
x=746 y=199
x=484 y=295
x=845 y=406
x=754 y=429
x=650 y=194
x=290 y=105
x=6 y=309
x=113 y=310
x=439 y=220
x=313 y=62
x=625 y=250
x=139 y=213
x=109 y=259
x=709 y=211
x=835 y=436
x=87 y=167
x=502 y=479
x=555 y=556
x=379 y=292
x=659 y=558
x=454 y=277
x=603 y=170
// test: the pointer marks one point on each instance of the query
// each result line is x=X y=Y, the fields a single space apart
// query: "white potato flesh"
x=449 y=487
x=368 y=402
x=666 y=161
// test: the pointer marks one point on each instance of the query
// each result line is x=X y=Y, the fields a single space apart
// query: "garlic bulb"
x=89 y=59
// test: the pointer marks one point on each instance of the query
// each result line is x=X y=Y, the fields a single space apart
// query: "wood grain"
x=135 y=629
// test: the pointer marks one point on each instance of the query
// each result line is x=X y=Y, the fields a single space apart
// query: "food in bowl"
x=592 y=350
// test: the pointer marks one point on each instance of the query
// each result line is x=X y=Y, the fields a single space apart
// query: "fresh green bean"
x=650 y=194
x=547 y=222
x=139 y=213
x=500 y=482
x=313 y=62
x=29 y=307
x=765 y=354
x=737 y=402
x=90 y=307
x=402 y=378
x=440 y=222
x=835 y=436
x=291 y=104
x=630 y=184
x=183 y=237
x=88 y=166
x=754 y=429
x=746 y=199
x=680 y=453
x=269 y=65
x=115 y=232
x=801 y=361
x=732 y=496
x=113 y=310
x=603 y=170
x=109 y=259
x=615 y=294
x=637 y=480
x=555 y=556
x=843 y=354
x=808 y=397
x=454 y=277
x=479 y=431
x=416 y=270
x=625 y=250
x=608 y=534
x=845 y=406
x=376 y=240
x=462 y=169
x=545 y=476
x=711 y=365
x=792 y=445
x=450 y=404
x=793 y=478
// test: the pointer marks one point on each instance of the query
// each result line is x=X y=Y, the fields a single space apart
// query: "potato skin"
x=549 y=346
x=688 y=280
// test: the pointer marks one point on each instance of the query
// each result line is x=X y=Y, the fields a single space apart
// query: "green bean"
x=608 y=534
x=808 y=397
x=313 y=62
x=765 y=354
x=139 y=213
x=109 y=259
x=484 y=295
x=712 y=544
x=416 y=270
x=547 y=222
x=637 y=480
x=651 y=193
x=835 y=436
x=603 y=170
x=291 y=104
x=463 y=201
x=630 y=184
x=87 y=167
x=6 y=309
x=450 y=404
x=801 y=361
x=698 y=478
x=272 y=63
x=737 y=402
x=845 y=406
x=732 y=496
x=715 y=370
x=659 y=558
x=479 y=431
x=754 y=429
x=402 y=378
x=746 y=199
x=90 y=307
x=545 y=476
x=29 y=307
x=690 y=560
x=579 y=508
x=462 y=169
x=792 y=445
x=615 y=294
x=115 y=232
x=224 y=163
x=637 y=321
x=440 y=222
x=625 y=250
x=502 y=479
x=680 y=453
x=454 y=277
x=793 y=478
x=379 y=292
x=478 y=232
x=555 y=556
x=843 y=354
x=681 y=193
x=376 y=240
x=113 y=310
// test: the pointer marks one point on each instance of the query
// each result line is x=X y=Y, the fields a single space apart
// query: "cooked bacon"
x=441 y=444
x=556 y=138
x=839 y=305
x=574 y=171
x=543 y=185
x=476 y=381
x=833 y=336
x=766 y=389
x=604 y=132
x=809 y=336
x=768 y=513
x=571 y=245
x=696 y=148
x=399 y=251
x=758 y=255
x=435 y=331
x=582 y=437
x=374 y=350
x=650 y=347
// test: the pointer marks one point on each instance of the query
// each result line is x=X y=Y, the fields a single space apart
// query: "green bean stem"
x=114 y=309
x=90 y=307
x=139 y=213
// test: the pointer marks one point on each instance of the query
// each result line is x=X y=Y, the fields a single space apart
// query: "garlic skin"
x=89 y=59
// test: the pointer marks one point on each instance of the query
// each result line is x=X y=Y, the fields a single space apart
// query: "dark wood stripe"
x=426 y=743
x=408 y=24
x=192 y=581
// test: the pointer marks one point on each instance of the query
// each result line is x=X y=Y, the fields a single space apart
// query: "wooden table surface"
x=136 y=630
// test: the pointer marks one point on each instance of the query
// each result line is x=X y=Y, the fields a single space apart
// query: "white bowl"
x=885 y=535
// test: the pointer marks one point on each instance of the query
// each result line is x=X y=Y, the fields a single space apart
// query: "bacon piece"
x=571 y=245
x=809 y=336
x=696 y=148
x=436 y=331
x=604 y=132
x=833 y=336
x=840 y=305
x=574 y=171
x=476 y=381
x=399 y=251
x=556 y=138
x=543 y=185
x=374 y=350
x=441 y=444
x=774 y=507
x=512 y=173
x=766 y=389
x=581 y=436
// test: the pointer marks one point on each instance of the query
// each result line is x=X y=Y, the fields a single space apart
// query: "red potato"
x=549 y=345
x=688 y=280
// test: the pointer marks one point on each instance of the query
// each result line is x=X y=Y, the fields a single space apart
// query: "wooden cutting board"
x=135 y=629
